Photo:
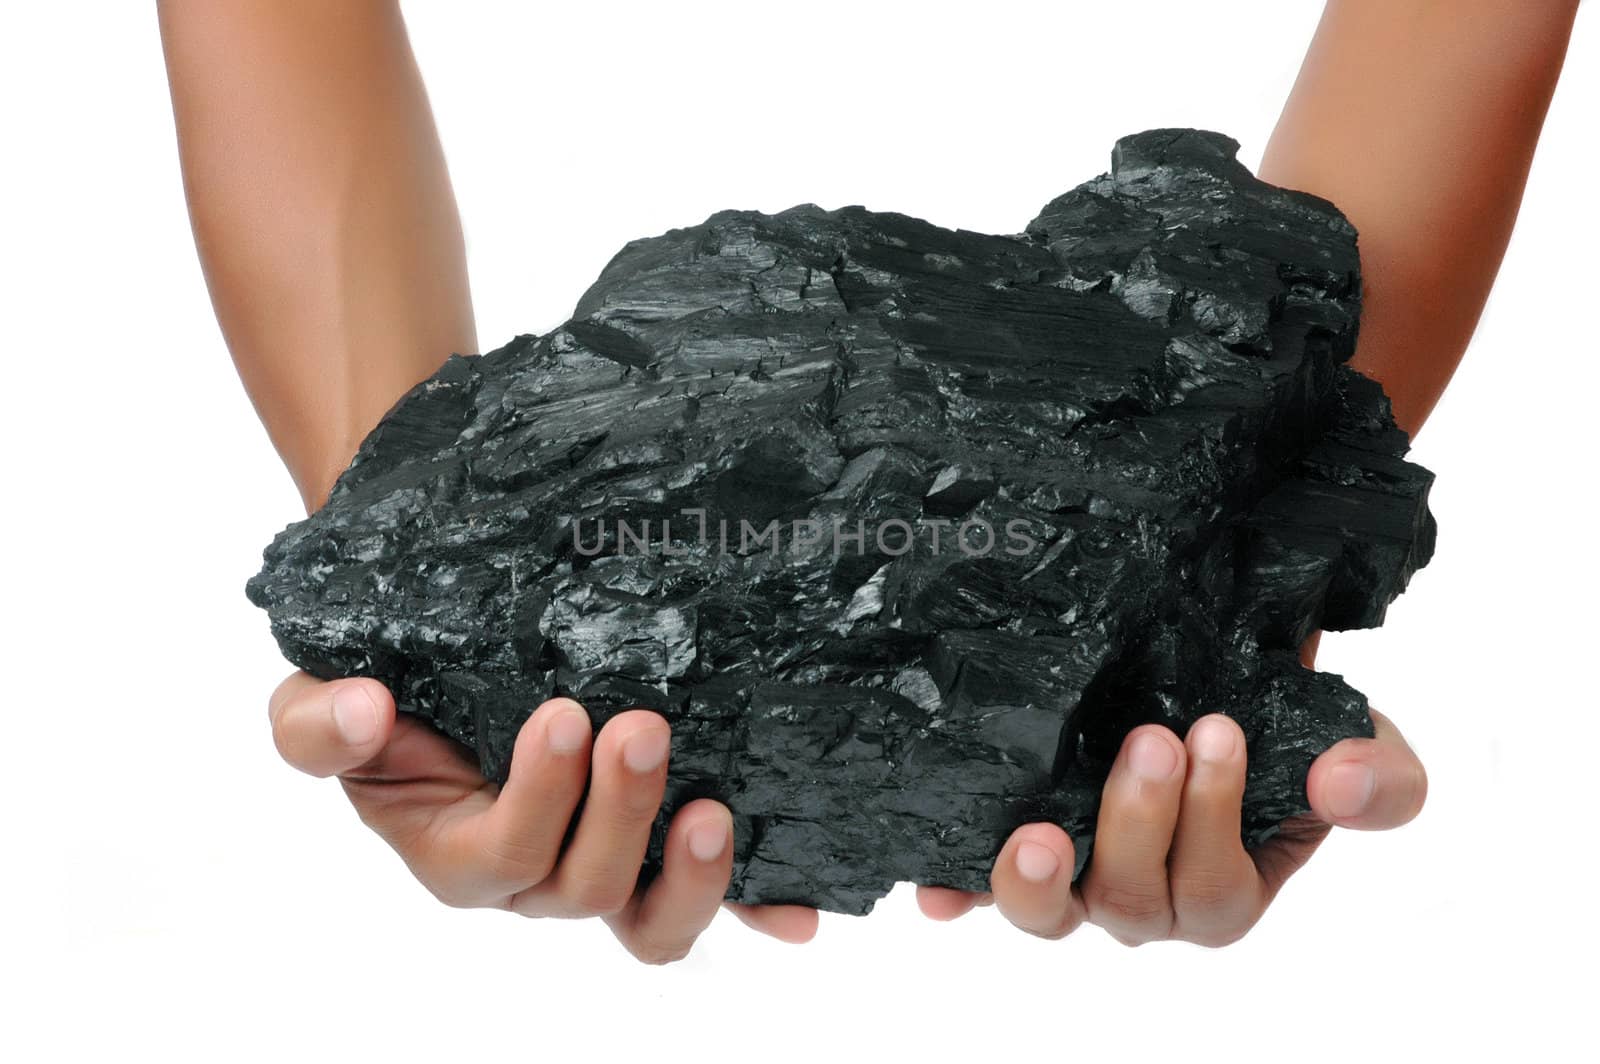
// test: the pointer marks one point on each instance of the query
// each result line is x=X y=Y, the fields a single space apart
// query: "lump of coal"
x=902 y=528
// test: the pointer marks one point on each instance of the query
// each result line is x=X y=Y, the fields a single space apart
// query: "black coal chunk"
x=902 y=528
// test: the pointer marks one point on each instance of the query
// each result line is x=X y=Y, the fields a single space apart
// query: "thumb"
x=327 y=727
x=1368 y=784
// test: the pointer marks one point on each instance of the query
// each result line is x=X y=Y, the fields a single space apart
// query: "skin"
x=1419 y=119
x=332 y=250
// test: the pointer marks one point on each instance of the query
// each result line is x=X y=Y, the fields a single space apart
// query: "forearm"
x=1418 y=119
x=322 y=212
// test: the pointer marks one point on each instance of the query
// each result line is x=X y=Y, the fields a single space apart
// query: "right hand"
x=473 y=844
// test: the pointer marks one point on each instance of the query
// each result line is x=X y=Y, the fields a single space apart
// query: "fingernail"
x=568 y=732
x=1350 y=787
x=645 y=751
x=1151 y=758
x=1036 y=863
x=1214 y=740
x=708 y=840
x=355 y=715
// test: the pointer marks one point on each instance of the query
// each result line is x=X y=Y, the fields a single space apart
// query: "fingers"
x=1032 y=881
x=794 y=924
x=942 y=903
x=600 y=868
x=1368 y=784
x=325 y=728
x=472 y=846
x=660 y=924
x=513 y=842
x=521 y=834
x=1169 y=860
x=1125 y=887
x=1217 y=895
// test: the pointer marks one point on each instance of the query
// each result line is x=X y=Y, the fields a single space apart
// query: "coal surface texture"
x=1146 y=390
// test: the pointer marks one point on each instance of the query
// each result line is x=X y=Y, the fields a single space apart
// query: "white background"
x=170 y=888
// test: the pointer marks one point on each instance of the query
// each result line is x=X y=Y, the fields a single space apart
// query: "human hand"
x=476 y=845
x=1168 y=861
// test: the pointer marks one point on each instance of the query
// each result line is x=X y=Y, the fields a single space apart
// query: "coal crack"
x=902 y=528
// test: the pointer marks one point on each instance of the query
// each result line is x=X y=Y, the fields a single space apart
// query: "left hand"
x=1169 y=862
x=526 y=846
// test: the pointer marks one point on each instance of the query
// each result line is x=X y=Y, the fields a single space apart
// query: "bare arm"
x=1418 y=119
x=329 y=236
x=322 y=212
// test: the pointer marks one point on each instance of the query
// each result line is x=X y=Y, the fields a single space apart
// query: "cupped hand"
x=1168 y=861
x=473 y=844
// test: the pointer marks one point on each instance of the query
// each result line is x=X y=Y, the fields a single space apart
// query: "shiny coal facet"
x=902 y=528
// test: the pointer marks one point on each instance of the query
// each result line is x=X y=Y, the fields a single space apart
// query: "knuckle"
x=513 y=859
x=1145 y=825
x=593 y=896
x=639 y=802
x=1215 y=908
x=1204 y=890
x=631 y=805
x=1131 y=905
